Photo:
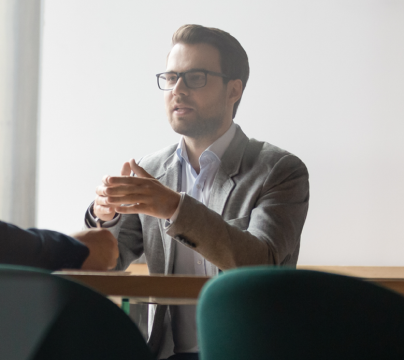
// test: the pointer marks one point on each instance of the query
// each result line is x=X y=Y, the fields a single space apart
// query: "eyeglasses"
x=193 y=79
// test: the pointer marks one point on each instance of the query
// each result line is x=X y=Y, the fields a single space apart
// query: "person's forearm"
x=223 y=245
x=40 y=248
x=266 y=233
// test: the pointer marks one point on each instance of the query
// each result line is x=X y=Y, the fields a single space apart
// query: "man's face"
x=197 y=113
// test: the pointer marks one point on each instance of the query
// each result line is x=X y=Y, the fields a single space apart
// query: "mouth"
x=181 y=110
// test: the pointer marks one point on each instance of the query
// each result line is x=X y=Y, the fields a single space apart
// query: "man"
x=215 y=201
x=89 y=250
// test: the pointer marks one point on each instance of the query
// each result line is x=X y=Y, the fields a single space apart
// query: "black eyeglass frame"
x=181 y=74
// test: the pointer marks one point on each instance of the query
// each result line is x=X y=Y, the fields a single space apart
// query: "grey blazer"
x=257 y=209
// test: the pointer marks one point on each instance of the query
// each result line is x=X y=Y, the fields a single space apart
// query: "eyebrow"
x=193 y=69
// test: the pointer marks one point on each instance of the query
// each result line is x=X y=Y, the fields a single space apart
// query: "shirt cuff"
x=176 y=212
x=91 y=222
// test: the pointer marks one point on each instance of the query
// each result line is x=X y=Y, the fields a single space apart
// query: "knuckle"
x=102 y=210
x=98 y=200
x=101 y=190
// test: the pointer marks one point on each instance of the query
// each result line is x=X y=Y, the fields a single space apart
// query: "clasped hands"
x=142 y=194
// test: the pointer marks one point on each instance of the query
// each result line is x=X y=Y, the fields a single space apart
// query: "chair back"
x=283 y=314
x=43 y=316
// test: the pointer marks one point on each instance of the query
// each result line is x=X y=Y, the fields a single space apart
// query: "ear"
x=234 y=90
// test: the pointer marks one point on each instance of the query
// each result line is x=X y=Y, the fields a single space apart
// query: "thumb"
x=138 y=170
x=125 y=171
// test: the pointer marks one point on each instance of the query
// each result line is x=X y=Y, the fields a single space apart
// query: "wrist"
x=174 y=206
x=92 y=221
x=174 y=216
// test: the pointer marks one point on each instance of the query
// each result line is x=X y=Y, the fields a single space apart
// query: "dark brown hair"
x=233 y=58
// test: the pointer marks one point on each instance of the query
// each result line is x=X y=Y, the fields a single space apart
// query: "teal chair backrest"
x=285 y=314
x=43 y=317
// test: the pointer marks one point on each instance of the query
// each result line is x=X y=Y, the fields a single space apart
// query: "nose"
x=180 y=88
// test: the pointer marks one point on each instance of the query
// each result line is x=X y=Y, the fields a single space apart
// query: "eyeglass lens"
x=193 y=79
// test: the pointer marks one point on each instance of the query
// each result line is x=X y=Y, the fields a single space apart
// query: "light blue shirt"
x=186 y=260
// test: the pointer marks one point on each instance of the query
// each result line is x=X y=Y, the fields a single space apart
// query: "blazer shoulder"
x=266 y=155
x=266 y=151
x=155 y=162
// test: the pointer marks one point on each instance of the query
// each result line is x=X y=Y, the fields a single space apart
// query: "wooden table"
x=184 y=290
x=364 y=272
x=152 y=289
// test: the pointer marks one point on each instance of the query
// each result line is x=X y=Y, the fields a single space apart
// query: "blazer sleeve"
x=275 y=223
x=40 y=248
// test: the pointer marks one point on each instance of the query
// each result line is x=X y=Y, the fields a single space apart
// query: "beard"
x=199 y=128
x=204 y=122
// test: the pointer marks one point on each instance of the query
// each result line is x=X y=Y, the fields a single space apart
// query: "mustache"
x=181 y=104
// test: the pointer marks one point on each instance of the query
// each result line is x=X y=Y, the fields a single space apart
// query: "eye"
x=171 y=78
x=196 y=76
x=196 y=79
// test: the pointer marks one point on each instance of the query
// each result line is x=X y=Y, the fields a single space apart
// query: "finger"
x=138 y=170
x=101 y=190
x=103 y=210
x=105 y=180
x=125 y=171
x=113 y=263
x=133 y=209
x=114 y=181
x=116 y=249
x=103 y=200
x=128 y=199
x=123 y=190
x=116 y=190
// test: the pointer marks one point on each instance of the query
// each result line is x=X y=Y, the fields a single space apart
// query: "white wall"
x=20 y=35
x=327 y=83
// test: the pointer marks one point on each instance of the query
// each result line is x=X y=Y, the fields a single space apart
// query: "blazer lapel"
x=172 y=179
x=223 y=183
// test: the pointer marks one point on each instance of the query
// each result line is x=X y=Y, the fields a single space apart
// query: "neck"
x=196 y=146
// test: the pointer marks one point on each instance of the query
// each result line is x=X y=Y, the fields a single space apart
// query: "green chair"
x=284 y=314
x=45 y=317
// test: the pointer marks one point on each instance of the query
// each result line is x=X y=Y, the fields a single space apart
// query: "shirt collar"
x=220 y=145
x=218 y=148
